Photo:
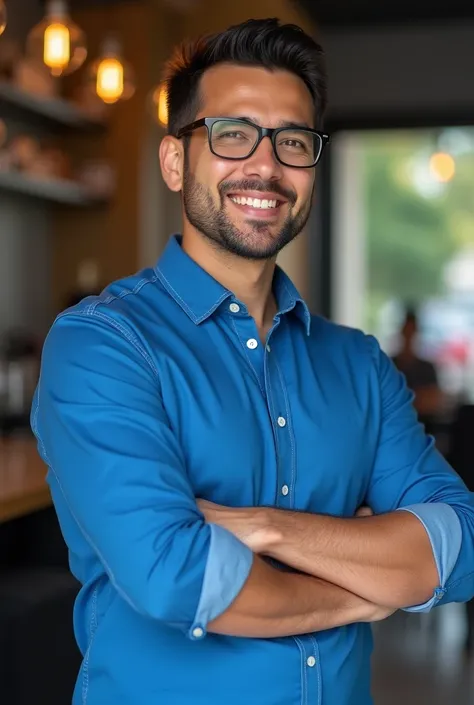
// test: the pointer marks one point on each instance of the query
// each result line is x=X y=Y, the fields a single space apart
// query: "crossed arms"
x=363 y=569
x=119 y=470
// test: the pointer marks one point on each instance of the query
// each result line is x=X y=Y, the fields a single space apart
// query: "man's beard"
x=255 y=242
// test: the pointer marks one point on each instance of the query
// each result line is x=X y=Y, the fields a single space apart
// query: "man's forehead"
x=255 y=91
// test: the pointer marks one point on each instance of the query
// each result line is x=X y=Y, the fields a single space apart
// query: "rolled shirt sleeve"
x=104 y=433
x=227 y=569
x=444 y=531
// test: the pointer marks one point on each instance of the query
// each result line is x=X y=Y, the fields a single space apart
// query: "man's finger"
x=364 y=512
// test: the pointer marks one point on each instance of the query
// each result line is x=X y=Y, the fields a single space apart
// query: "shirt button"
x=311 y=661
x=268 y=348
x=285 y=490
x=281 y=422
x=198 y=633
x=252 y=343
x=235 y=308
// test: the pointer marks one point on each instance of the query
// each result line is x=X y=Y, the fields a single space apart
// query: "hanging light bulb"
x=159 y=105
x=3 y=16
x=112 y=76
x=57 y=41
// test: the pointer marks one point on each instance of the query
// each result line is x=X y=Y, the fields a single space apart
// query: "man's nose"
x=263 y=162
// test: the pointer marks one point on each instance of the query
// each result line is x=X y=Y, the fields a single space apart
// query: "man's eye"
x=232 y=135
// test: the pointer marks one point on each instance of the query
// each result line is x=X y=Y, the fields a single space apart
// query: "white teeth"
x=254 y=202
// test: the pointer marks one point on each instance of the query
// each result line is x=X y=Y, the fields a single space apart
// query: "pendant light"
x=111 y=75
x=57 y=41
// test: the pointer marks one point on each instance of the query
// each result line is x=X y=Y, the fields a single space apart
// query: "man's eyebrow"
x=292 y=123
x=281 y=123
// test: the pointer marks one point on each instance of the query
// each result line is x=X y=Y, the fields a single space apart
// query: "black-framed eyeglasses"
x=236 y=138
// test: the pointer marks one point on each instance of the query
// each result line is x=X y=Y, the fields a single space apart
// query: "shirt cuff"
x=227 y=569
x=444 y=530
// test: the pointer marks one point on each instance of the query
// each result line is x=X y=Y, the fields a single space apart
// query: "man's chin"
x=257 y=232
x=260 y=246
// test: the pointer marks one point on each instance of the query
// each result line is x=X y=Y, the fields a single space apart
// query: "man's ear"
x=171 y=162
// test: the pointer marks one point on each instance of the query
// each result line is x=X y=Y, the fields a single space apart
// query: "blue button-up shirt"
x=159 y=391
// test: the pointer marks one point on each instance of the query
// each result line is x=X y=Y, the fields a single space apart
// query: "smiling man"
x=210 y=443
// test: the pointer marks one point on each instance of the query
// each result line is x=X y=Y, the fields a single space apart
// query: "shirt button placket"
x=247 y=334
x=284 y=489
x=312 y=674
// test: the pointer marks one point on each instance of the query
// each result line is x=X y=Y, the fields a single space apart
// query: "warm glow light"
x=57 y=46
x=160 y=101
x=56 y=41
x=3 y=17
x=111 y=76
x=110 y=83
x=442 y=166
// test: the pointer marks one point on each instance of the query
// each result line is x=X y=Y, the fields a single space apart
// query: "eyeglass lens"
x=235 y=140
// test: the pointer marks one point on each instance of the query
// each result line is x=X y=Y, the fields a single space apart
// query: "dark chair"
x=461 y=446
x=39 y=658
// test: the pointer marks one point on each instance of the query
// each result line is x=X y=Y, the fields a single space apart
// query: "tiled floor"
x=419 y=660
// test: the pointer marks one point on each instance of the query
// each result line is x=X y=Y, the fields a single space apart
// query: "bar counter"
x=23 y=487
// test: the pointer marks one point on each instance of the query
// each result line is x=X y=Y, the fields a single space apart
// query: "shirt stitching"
x=191 y=314
x=87 y=535
x=125 y=292
x=294 y=300
x=51 y=468
x=175 y=295
x=244 y=348
x=290 y=433
x=214 y=306
x=290 y=296
x=128 y=335
x=115 y=324
x=92 y=631
x=318 y=667
x=275 y=429
x=304 y=684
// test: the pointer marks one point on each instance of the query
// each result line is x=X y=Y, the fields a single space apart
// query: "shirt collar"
x=199 y=294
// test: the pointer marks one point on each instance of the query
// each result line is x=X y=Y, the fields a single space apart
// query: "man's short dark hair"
x=264 y=43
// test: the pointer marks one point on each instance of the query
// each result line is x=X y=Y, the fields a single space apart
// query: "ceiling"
x=352 y=13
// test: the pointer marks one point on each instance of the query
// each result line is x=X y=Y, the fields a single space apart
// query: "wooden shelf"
x=54 y=190
x=56 y=110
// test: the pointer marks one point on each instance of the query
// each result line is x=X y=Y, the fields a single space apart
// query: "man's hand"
x=364 y=512
x=249 y=524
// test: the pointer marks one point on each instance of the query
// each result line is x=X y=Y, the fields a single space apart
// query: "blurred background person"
x=420 y=374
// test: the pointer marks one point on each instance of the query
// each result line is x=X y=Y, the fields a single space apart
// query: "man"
x=210 y=442
x=420 y=374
